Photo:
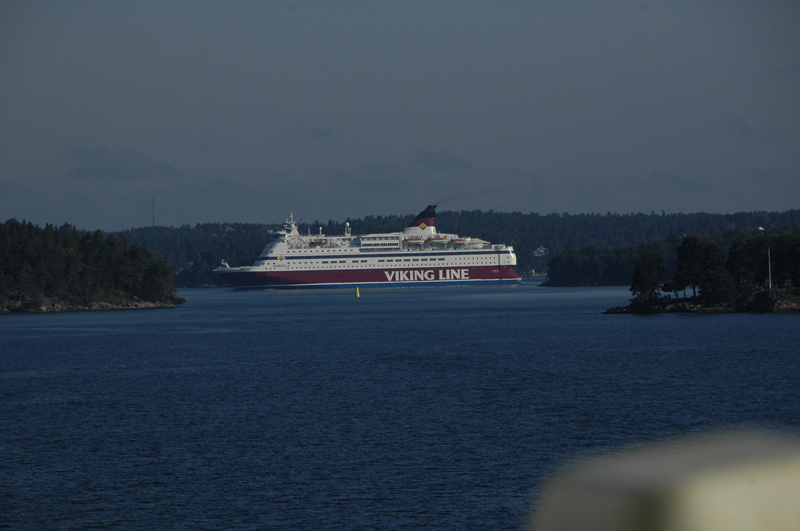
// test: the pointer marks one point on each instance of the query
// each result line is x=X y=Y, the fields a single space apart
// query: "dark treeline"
x=195 y=251
x=713 y=275
x=615 y=266
x=77 y=268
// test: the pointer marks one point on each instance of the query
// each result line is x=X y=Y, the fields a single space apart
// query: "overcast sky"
x=246 y=111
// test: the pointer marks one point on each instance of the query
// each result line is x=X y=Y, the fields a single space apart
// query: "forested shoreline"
x=756 y=274
x=62 y=269
x=194 y=251
x=614 y=266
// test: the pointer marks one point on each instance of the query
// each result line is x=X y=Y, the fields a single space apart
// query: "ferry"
x=417 y=256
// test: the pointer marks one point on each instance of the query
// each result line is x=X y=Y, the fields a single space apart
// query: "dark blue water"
x=402 y=409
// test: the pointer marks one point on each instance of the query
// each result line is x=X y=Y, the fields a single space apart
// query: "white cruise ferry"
x=417 y=256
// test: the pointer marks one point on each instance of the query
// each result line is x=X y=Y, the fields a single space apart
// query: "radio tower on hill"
x=154 y=210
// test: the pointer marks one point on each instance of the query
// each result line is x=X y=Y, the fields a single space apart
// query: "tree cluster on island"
x=60 y=268
x=758 y=274
x=613 y=266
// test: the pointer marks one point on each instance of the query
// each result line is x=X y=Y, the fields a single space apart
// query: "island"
x=759 y=275
x=56 y=269
x=761 y=301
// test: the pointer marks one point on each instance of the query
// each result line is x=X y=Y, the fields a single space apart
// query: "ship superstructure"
x=419 y=255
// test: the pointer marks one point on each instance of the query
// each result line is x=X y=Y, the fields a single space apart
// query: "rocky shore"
x=764 y=301
x=50 y=305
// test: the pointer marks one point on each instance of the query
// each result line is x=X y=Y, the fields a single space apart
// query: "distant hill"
x=195 y=251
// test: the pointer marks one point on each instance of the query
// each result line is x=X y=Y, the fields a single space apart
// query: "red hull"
x=423 y=276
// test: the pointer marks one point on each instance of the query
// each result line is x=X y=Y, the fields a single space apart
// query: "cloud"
x=104 y=164
x=480 y=194
x=381 y=169
x=678 y=183
x=747 y=132
x=772 y=177
x=440 y=160
x=524 y=177
x=322 y=132
x=377 y=179
x=17 y=193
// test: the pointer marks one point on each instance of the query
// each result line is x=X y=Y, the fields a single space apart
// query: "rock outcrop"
x=48 y=305
x=763 y=301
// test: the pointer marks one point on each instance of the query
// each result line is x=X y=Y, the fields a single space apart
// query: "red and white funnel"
x=424 y=223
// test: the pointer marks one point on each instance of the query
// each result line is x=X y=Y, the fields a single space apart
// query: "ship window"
x=342 y=261
x=324 y=261
x=415 y=260
x=441 y=259
x=383 y=260
x=424 y=260
x=363 y=261
x=406 y=260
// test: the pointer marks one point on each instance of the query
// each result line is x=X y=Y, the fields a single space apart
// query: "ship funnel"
x=426 y=218
x=423 y=225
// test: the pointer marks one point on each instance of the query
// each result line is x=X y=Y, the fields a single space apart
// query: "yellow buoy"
x=357 y=293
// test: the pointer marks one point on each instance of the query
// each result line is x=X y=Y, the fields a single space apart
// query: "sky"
x=243 y=111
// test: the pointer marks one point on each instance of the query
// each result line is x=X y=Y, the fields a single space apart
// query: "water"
x=438 y=408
